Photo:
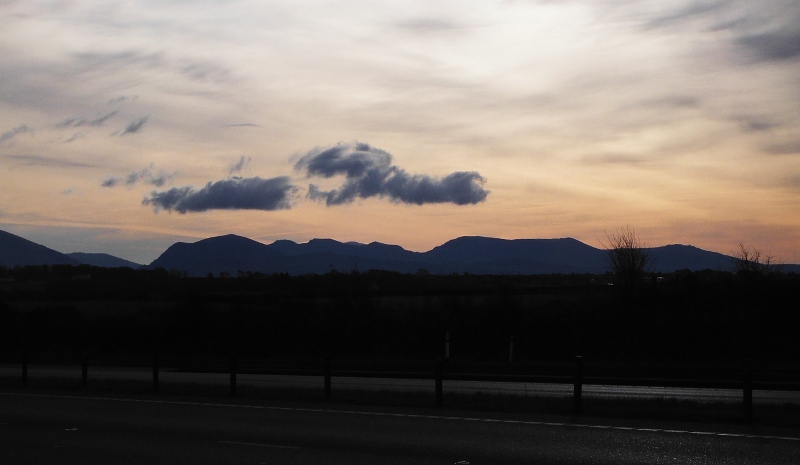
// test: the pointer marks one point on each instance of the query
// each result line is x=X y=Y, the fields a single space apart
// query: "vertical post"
x=233 y=376
x=85 y=371
x=328 y=377
x=155 y=372
x=447 y=345
x=511 y=350
x=24 y=369
x=747 y=389
x=578 y=387
x=437 y=373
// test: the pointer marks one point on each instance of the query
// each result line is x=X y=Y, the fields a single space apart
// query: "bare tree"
x=627 y=255
x=750 y=260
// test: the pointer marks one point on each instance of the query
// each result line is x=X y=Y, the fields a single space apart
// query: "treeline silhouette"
x=685 y=316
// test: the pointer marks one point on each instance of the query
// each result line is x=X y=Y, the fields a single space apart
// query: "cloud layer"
x=234 y=193
x=369 y=172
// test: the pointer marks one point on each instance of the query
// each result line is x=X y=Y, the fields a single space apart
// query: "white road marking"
x=413 y=415
x=259 y=445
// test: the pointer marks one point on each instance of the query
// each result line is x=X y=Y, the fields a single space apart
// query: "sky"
x=127 y=126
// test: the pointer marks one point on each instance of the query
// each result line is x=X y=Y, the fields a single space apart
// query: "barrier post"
x=328 y=377
x=85 y=371
x=438 y=379
x=155 y=372
x=578 y=387
x=747 y=389
x=24 y=369
x=233 y=376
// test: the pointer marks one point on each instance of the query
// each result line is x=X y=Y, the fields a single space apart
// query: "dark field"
x=714 y=318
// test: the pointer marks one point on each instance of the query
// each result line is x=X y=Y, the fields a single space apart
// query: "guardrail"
x=437 y=373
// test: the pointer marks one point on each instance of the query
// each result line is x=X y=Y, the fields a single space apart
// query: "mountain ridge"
x=231 y=253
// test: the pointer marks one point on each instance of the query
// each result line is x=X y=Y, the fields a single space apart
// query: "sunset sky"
x=127 y=126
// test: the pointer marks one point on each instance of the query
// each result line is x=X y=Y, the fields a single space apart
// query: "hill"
x=16 y=251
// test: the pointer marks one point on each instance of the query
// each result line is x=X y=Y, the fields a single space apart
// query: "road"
x=413 y=385
x=55 y=428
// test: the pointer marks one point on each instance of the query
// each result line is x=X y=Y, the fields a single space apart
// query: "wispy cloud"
x=786 y=148
x=37 y=160
x=135 y=126
x=369 y=172
x=146 y=175
x=234 y=193
x=9 y=135
x=242 y=125
x=78 y=122
x=773 y=46
x=239 y=165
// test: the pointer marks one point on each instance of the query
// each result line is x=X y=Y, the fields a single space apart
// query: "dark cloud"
x=369 y=172
x=111 y=182
x=8 y=135
x=239 y=165
x=145 y=175
x=776 y=46
x=234 y=193
x=77 y=122
x=135 y=126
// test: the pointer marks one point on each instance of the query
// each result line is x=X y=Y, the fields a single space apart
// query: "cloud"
x=242 y=125
x=37 y=160
x=78 y=122
x=240 y=165
x=787 y=148
x=369 y=172
x=8 y=135
x=614 y=159
x=135 y=126
x=69 y=190
x=145 y=175
x=775 y=46
x=234 y=193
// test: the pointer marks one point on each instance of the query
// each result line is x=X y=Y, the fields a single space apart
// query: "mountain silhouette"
x=678 y=257
x=16 y=251
x=103 y=260
x=477 y=255
x=229 y=253
x=470 y=254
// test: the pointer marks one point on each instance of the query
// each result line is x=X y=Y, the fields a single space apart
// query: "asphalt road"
x=56 y=428
x=414 y=385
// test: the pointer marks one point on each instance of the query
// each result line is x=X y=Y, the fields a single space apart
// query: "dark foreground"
x=58 y=428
